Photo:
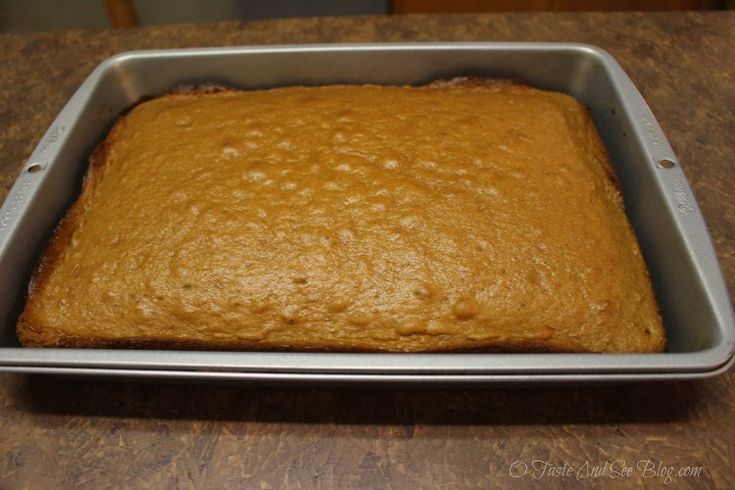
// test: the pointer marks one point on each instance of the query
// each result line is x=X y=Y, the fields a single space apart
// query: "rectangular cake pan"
x=686 y=276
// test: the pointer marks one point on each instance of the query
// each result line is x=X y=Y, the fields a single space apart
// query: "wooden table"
x=61 y=434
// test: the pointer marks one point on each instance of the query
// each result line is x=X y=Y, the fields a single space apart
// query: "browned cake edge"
x=32 y=334
x=29 y=333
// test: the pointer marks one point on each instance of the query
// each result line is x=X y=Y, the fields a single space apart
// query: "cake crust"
x=325 y=293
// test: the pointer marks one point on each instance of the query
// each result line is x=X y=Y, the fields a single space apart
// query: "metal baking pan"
x=686 y=276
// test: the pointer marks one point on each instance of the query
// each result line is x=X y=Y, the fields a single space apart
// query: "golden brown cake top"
x=446 y=217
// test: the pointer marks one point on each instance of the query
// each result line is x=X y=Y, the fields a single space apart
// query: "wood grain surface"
x=57 y=433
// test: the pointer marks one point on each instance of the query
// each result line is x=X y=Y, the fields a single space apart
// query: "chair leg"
x=122 y=13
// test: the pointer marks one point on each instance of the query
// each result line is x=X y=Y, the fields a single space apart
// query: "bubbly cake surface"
x=450 y=217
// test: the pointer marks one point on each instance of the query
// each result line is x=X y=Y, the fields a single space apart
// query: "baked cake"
x=474 y=215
